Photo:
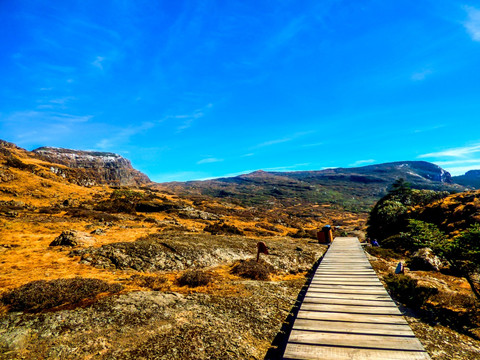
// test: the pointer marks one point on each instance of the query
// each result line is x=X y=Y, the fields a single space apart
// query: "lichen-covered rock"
x=425 y=259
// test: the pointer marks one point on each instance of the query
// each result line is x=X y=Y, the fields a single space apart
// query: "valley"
x=167 y=262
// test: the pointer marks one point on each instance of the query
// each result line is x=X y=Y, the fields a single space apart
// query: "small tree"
x=422 y=234
x=463 y=254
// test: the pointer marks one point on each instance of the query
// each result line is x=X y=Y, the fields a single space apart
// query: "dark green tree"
x=463 y=255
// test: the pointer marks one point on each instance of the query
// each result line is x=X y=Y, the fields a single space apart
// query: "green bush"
x=194 y=278
x=382 y=252
x=422 y=234
x=387 y=218
x=405 y=289
x=41 y=294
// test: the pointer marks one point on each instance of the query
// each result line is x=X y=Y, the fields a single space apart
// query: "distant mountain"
x=471 y=179
x=354 y=189
x=84 y=168
x=97 y=167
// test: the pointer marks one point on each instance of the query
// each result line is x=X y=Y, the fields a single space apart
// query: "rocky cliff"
x=95 y=167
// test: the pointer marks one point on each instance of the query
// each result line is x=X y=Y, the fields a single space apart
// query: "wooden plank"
x=338 y=295
x=345 y=290
x=355 y=340
x=323 y=281
x=364 y=318
x=353 y=327
x=393 y=310
x=347 y=313
x=349 y=301
x=313 y=352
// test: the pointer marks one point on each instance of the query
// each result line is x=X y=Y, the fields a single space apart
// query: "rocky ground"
x=155 y=317
x=435 y=322
x=156 y=325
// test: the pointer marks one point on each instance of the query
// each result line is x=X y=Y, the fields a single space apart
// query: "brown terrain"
x=97 y=262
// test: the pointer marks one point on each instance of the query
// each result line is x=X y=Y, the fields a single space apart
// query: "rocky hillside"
x=96 y=167
x=351 y=189
x=470 y=179
x=454 y=213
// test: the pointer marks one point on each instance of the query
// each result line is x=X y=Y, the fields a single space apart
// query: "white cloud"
x=273 y=142
x=313 y=144
x=123 y=135
x=209 y=161
x=473 y=23
x=179 y=176
x=282 y=140
x=460 y=170
x=288 y=168
x=421 y=75
x=362 y=162
x=189 y=118
x=32 y=127
x=456 y=152
x=98 y=62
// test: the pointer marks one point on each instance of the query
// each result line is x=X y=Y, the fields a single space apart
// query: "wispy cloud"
x=287 y=168
x=288 y=32
x=313 y=144
x=209 y=161
x=431 y=128
x=421 y=75
x=473 y=22
x=282 y=140
x=460 y=159
x=362 y=162
x=98 y=62
x=460 y=170
x=461 y=152
x=123 y=135
x=273 y=142
x=188 y=119
x=32 y=126
x=180 y=176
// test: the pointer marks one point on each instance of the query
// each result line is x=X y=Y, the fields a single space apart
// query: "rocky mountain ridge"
x=470 y=179
x=354 y=189
x=86 y=168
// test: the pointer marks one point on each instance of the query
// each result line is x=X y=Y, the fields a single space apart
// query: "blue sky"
x=200 y=89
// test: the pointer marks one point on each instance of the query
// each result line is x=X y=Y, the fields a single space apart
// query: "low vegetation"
x=43 y=295
x=251 y=269
x=194 y=278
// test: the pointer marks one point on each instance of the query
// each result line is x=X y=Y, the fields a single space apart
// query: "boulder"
x=73 y=238
x=425 y=259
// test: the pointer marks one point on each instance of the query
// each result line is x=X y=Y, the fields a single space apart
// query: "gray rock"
x=425 y=259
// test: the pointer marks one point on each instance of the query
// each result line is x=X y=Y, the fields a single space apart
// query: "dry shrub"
x=220 y=228
x=382 y=252
x=92 y=214
x=41 y=294
x=406 y=290
x=194 y=278
x=150 y=282
x=251 y=269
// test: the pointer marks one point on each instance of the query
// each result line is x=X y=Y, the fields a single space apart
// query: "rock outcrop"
x=94 y=167
x=425 y=259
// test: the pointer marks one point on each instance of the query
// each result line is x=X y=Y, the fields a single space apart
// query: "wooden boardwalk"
x=348 y=314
